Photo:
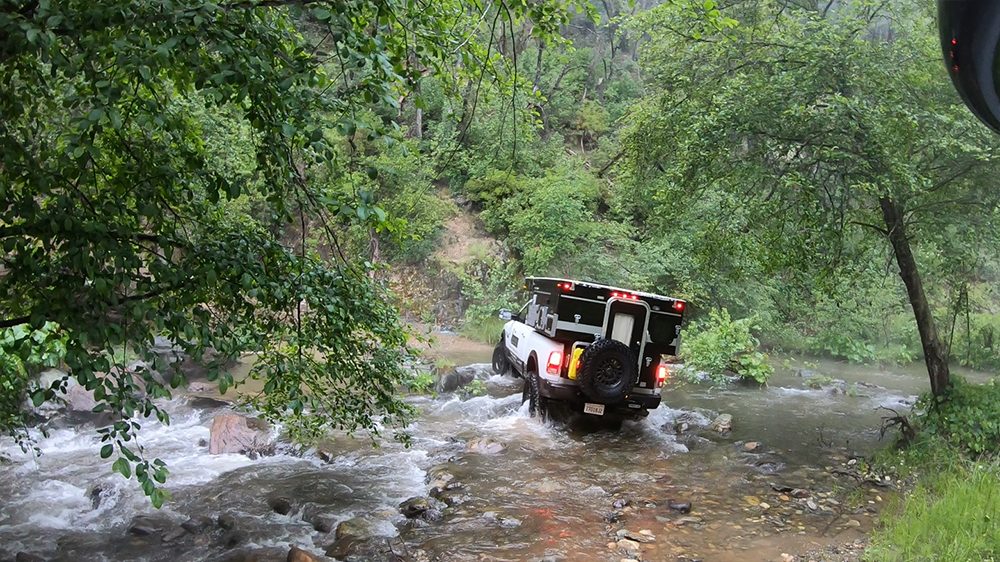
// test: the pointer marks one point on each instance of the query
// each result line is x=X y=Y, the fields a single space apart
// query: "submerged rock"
x=235 y=538
x=233 y=433
x=722 y=424
x=227 y=521
x=25 y=557
x=485 y=446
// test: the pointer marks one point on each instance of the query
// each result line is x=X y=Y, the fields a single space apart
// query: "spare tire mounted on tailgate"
x=608 y=371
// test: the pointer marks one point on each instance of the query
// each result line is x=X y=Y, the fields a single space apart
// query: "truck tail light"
x=661 y=374
x=554 y=364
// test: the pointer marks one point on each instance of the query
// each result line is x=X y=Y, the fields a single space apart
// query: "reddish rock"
x=232 y=433
x=299 y=555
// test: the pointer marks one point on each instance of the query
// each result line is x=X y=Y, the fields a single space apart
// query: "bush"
x=721 y=345
x=967 y=416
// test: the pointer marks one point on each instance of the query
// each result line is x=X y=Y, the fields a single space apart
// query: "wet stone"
x=227 y=521
x=800 y=493
x=323 y=524
x=25 y=557
x=280 y=505
x=173 y=535
x=679 y=506
x=296 y=554
x=235 y=538
x=414 y=507
x=722 y=424
x=198 y=525
x=628 y=546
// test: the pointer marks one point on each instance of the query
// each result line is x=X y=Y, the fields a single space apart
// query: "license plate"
x=596 y=409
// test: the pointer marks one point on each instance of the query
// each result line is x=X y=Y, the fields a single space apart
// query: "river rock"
x=357 y=528
x=146 y=526
x=452 y=380
x=352 y=549
x=485 y=446
x=25 y=557
x=443 y=472
x=628 y=546
x=227 y=521
x=414 y=507
x=97 y=495
x=280 y=504
x=751 y=445
x=722 y=424
x=298 y=555
x=174 y=534
x=799 y=493
x=806 y=373
x=233 y=433
x=200 y=524
x=324 y=524
x=235 y=538
x=679 y=506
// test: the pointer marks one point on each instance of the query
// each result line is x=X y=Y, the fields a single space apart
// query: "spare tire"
x=608 y=371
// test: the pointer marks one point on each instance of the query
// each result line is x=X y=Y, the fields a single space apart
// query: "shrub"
x=721 y=344
x=967 y=416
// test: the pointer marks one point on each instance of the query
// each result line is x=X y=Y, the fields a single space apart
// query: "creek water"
x=560 y=491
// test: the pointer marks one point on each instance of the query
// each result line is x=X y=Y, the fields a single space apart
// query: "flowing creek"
x=558 y=491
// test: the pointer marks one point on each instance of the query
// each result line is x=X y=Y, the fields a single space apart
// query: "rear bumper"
x=570 y=393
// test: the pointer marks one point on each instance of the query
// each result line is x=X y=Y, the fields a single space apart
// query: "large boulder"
x=453 y=379
x=233 y=433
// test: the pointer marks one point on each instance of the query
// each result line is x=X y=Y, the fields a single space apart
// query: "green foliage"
x=949 y=515
x=483 y=330
x=719 y=345
x=967 y=416
x=421 y=382
x=475 y=388
x=24 y=353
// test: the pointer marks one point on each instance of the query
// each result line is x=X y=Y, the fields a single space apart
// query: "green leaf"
x=107 y=450
x=122 y=467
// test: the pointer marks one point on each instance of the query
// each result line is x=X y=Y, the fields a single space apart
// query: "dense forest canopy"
x=234 y=177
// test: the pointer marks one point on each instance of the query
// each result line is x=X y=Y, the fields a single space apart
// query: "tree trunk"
x=937 y=363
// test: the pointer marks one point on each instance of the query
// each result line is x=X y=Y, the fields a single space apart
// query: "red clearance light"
x=555 y=362
x=678 y=306
x=954 y=41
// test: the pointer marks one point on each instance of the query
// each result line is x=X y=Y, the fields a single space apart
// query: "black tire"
x=501 y=365
x=530 y=394
x=608 y=371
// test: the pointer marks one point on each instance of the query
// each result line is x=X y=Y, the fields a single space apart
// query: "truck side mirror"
x=505 y=314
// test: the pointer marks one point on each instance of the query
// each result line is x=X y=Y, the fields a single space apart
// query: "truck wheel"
x=501 y=365
x=531 y=395
x=608 y=371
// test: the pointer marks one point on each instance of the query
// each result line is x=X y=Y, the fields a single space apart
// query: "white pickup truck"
x=598 y=348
